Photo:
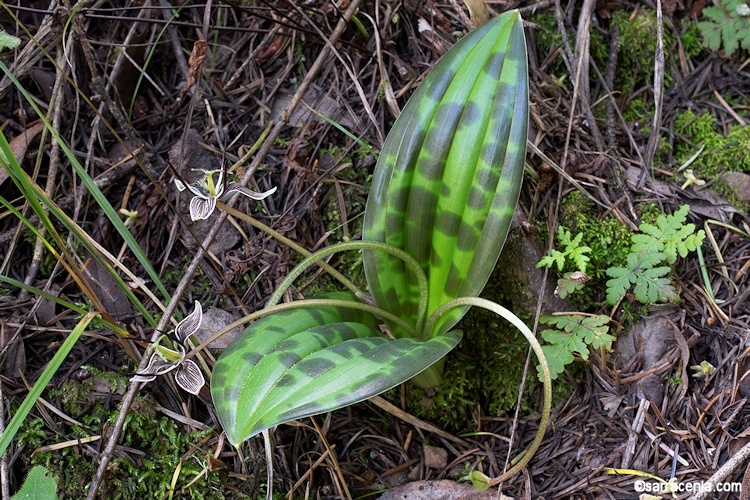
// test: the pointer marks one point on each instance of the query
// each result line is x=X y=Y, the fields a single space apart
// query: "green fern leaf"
x=651 y=287
x=670 y=235
x=594 y=330
x=559 y=351
x=645 y=243
x=726 y=25
x=555 y=257
x=620 y=283
x=579 y=258
x=573 y=251
x=574 y=334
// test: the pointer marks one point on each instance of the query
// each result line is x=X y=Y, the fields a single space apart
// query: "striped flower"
x=165 y=359
x=207 y=192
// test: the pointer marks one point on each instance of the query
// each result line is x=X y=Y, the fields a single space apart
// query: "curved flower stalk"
x=206 y=192
x=165 y=359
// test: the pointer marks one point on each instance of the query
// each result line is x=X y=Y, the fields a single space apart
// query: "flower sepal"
x=206 y=192
x=164 y=359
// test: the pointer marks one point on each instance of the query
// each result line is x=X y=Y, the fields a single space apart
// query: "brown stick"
x=653 y=138
x=129 y=396
x=709 y=487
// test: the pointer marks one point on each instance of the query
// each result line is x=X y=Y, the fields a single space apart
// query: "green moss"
x=162 y=444
x=548 y=40
x=720 y=154
x=639 y=111
x=32 y=433
x=608 y=238
x=486 y=369
x=637 y=48
x=76 y=397
x=692 y=42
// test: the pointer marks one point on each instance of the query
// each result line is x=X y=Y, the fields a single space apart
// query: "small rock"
x=215 y=320
x=440 y=490
x=518 y=265
x=740 y=183
x=435 y=458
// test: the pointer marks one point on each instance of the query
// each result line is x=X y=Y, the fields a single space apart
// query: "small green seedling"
x=574 y=252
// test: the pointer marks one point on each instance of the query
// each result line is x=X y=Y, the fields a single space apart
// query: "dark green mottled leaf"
x=307 y=361
x=449 y=174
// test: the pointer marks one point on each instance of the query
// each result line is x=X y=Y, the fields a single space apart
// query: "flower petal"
x=156 y=366
x=190 y=324
x=180 y=185
x=189 y=377
x=202 y=208
x=235 y=187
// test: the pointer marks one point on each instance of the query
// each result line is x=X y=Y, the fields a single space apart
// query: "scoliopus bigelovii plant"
x=442 y=198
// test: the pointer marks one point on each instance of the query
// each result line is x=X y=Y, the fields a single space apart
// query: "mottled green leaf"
x=307 y=361
x=449 y=174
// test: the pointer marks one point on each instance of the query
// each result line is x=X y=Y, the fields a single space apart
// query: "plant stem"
x=546 y=378
x=361 y=245
x=316 y=258
x=431 y=377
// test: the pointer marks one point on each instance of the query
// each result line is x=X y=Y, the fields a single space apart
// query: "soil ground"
x=144 y=91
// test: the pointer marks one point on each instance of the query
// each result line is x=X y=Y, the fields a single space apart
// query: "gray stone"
x=740 y=183
x=440 y=490
x=215 y=320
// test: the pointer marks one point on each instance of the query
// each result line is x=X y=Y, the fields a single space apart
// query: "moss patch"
x=720 y=154
x=637 y=48
x=163 y=446
x=486 y=369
